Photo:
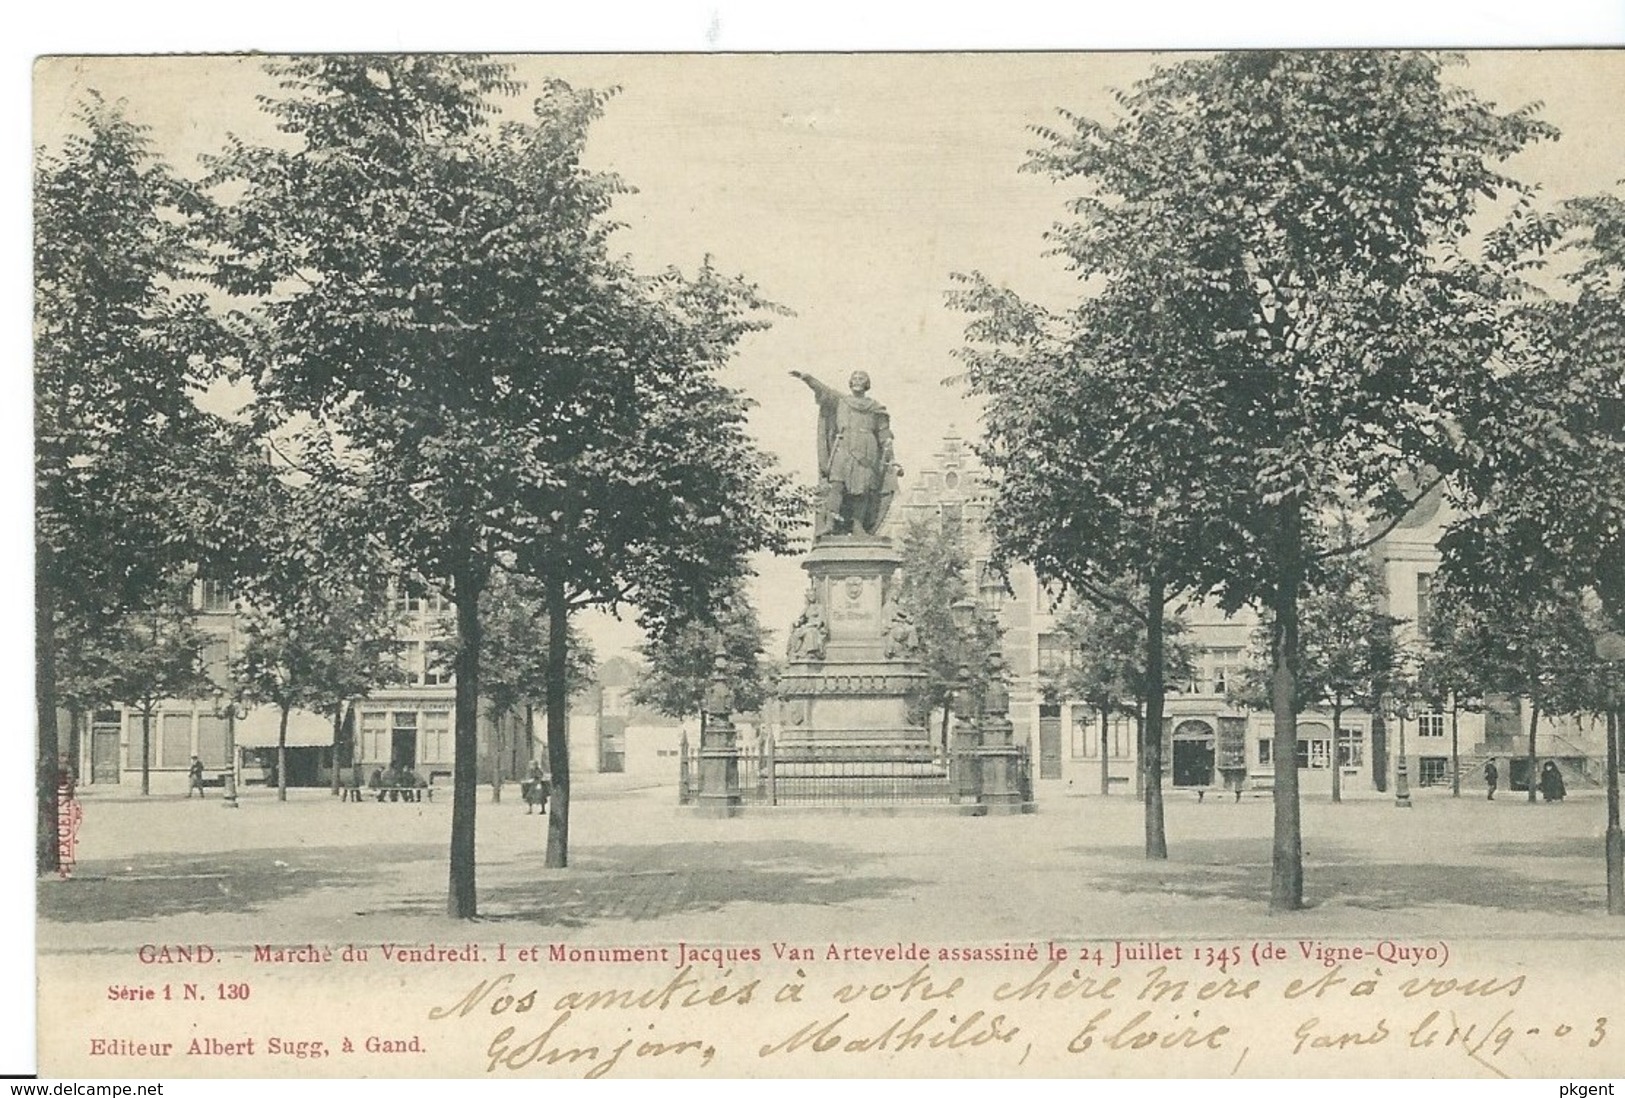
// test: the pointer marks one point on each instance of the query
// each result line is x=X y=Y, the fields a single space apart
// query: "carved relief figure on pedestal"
x=857 y=469
x=810 y=633
x=902 y=638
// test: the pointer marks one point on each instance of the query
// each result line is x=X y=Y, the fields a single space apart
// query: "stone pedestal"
x=1001 y=767
x=719 y=768
x=861 y=685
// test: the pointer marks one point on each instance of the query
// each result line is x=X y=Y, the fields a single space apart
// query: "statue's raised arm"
x=854 y=457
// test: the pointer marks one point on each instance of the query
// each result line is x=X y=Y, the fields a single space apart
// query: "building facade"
x=1209 y=743
x=407 y=725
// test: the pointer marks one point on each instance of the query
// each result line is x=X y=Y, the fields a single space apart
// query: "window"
x=216 y=659
x=1351 y=751
x=1432 y=770
x=214 y=597
x=1122 y=730
x=436 y=665
x=1226 y=665
x=438 y=604
x=374 y=742
x=407 y=603
x=412 y=657
x=1054 y=652
x=1085 y=735
x=434 y=741
x=1430 y=723
x=1266 y=750
x=1314 y=754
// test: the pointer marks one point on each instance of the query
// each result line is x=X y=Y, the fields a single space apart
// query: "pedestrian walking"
x=194 y=775
x=1492 y=778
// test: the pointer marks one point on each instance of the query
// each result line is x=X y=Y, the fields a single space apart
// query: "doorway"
x=104 y=768
x=1193 y=754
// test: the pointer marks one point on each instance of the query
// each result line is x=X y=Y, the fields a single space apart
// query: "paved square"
x=643 y=870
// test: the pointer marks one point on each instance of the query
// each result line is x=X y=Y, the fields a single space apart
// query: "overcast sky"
x=848 y=187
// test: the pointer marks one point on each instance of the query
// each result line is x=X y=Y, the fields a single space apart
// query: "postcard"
x=639 y=565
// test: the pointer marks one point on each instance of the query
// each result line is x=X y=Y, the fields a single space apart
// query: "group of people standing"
x=1550 y=783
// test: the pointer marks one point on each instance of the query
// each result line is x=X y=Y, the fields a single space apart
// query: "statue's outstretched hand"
x=798 y=374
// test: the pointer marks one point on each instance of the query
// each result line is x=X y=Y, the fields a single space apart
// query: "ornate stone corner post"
x=1000 y=757
x=719 y=749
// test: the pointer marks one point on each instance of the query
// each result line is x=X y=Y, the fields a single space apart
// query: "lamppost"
x=1610 y=647
x=232 y=712
x=1402 y=786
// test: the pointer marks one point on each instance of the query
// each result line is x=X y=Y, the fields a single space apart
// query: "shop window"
x=175 y=740
x=436 y=737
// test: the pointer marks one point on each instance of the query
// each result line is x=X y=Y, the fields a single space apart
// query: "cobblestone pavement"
x=316 y=869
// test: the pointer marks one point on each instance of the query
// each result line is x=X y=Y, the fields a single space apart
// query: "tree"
x=933 y=579
x=1447 y=672
x=156 y=652
x=127 y=469
x=514 y=660
x=666 y=511
x=1293 y=227
x=1530 y=641
x=1347 y=641
x=1106 y=645
x=503 y=391
x=328 y=646
x=680 y=664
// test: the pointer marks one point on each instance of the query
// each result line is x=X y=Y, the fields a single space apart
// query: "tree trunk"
x=1139 y=749
x=1613 y=841
x=494 y=748
x=1455 y=746
x=461 y=902
x=76 y=744
x=1156 y=835
x=338 y=735
x=146 y=749
x=1105 y=768
x=558 y=743
x=1379 y=744
x=282 y=756
x=947 y=712
x=47 y=850
x=1337 y=748
x=1534 y=719
x=1286 y=873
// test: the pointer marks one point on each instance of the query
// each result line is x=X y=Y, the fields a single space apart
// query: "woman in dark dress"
x=1551 y=782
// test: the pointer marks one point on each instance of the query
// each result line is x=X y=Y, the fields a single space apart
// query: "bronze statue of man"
x=857 y=471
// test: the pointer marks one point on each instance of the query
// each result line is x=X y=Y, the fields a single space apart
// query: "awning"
x=305 y=729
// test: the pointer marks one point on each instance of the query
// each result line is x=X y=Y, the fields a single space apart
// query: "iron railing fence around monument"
x=775 y=774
